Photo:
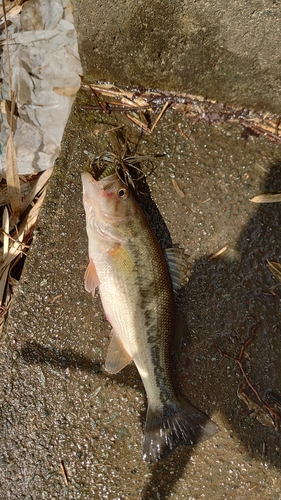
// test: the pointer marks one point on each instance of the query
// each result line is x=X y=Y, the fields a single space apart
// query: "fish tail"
x=174 y=425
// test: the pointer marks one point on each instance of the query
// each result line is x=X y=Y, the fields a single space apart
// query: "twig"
x=178 y=190
x=110 y=107
x=5 y=223
x=64 y=473
x=159 y=116
x=20 y=243
x=100 y=103
x=195 y=108
x=219 y=252
x=273 y=137
x=138 y=123
x=238 y=361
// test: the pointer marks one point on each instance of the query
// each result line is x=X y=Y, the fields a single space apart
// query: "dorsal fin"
x=178 y=267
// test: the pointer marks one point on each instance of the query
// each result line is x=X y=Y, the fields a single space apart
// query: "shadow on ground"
x=223 y=301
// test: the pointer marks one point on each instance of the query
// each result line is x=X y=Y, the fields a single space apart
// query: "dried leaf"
x=28 y=223
x=43 y=179
x=13 y=9
x=15 y=249
x=30 y=220
x=25 y=188
x=137 y=122
x=64 y=473
x=66 y=91
x=12 y=177
x=159 y=116
x=217 y=254
x=177 y=189
x=11 y=119
x=267 y=198
x=275 y=268
x=127 y=97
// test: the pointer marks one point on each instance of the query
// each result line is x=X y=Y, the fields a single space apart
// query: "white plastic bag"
x=45 y=74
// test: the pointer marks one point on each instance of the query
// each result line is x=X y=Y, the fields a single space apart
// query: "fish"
x=137 y=286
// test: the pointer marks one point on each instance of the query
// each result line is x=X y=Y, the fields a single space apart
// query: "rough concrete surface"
x=68 y=429
x=227 y=51
x=61 y=413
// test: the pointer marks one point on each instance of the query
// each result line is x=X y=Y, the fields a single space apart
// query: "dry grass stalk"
x=159 y=116
x=178 y=190
x=275 y=269
x=13 y=243
x=219 y=252
x=17 y=236
x=267 y=198
x=5 y=225
x=26 y=184
x=66 y=91
x=276 y=417
x=39 y=184
x=136 y=121
x=64 y=473
x=11 y=7
x=20 y=198
x=12 y=178
x=196 y=109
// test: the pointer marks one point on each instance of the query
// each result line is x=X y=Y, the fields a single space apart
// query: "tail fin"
x=175 y=425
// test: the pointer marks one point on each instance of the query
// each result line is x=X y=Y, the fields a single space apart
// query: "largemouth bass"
x=138 y=297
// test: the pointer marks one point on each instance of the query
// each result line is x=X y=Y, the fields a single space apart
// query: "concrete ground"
x=227 y=51
x=68 y=429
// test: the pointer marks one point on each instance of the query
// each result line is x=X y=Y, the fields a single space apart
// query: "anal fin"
x=117 y=357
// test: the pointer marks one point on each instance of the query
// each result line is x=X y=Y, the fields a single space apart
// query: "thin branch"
x=238 y=361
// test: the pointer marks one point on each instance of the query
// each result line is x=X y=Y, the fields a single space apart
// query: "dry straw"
x=21 y=198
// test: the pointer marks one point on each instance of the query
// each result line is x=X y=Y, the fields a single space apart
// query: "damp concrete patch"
x=229 y=53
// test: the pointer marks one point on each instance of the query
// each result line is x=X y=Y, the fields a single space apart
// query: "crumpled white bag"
x=45 y=74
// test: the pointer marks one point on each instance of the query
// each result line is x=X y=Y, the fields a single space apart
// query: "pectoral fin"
x=91 y=278
x=117 y=357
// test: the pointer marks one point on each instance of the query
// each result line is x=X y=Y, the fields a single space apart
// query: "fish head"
x=107 y=203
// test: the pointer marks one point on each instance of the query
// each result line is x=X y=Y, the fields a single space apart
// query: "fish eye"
x=123 y=193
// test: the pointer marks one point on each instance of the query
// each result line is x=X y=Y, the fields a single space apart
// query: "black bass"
x=137 y=294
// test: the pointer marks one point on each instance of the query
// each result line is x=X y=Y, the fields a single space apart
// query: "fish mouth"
x=92 y=190
x=93 y=187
